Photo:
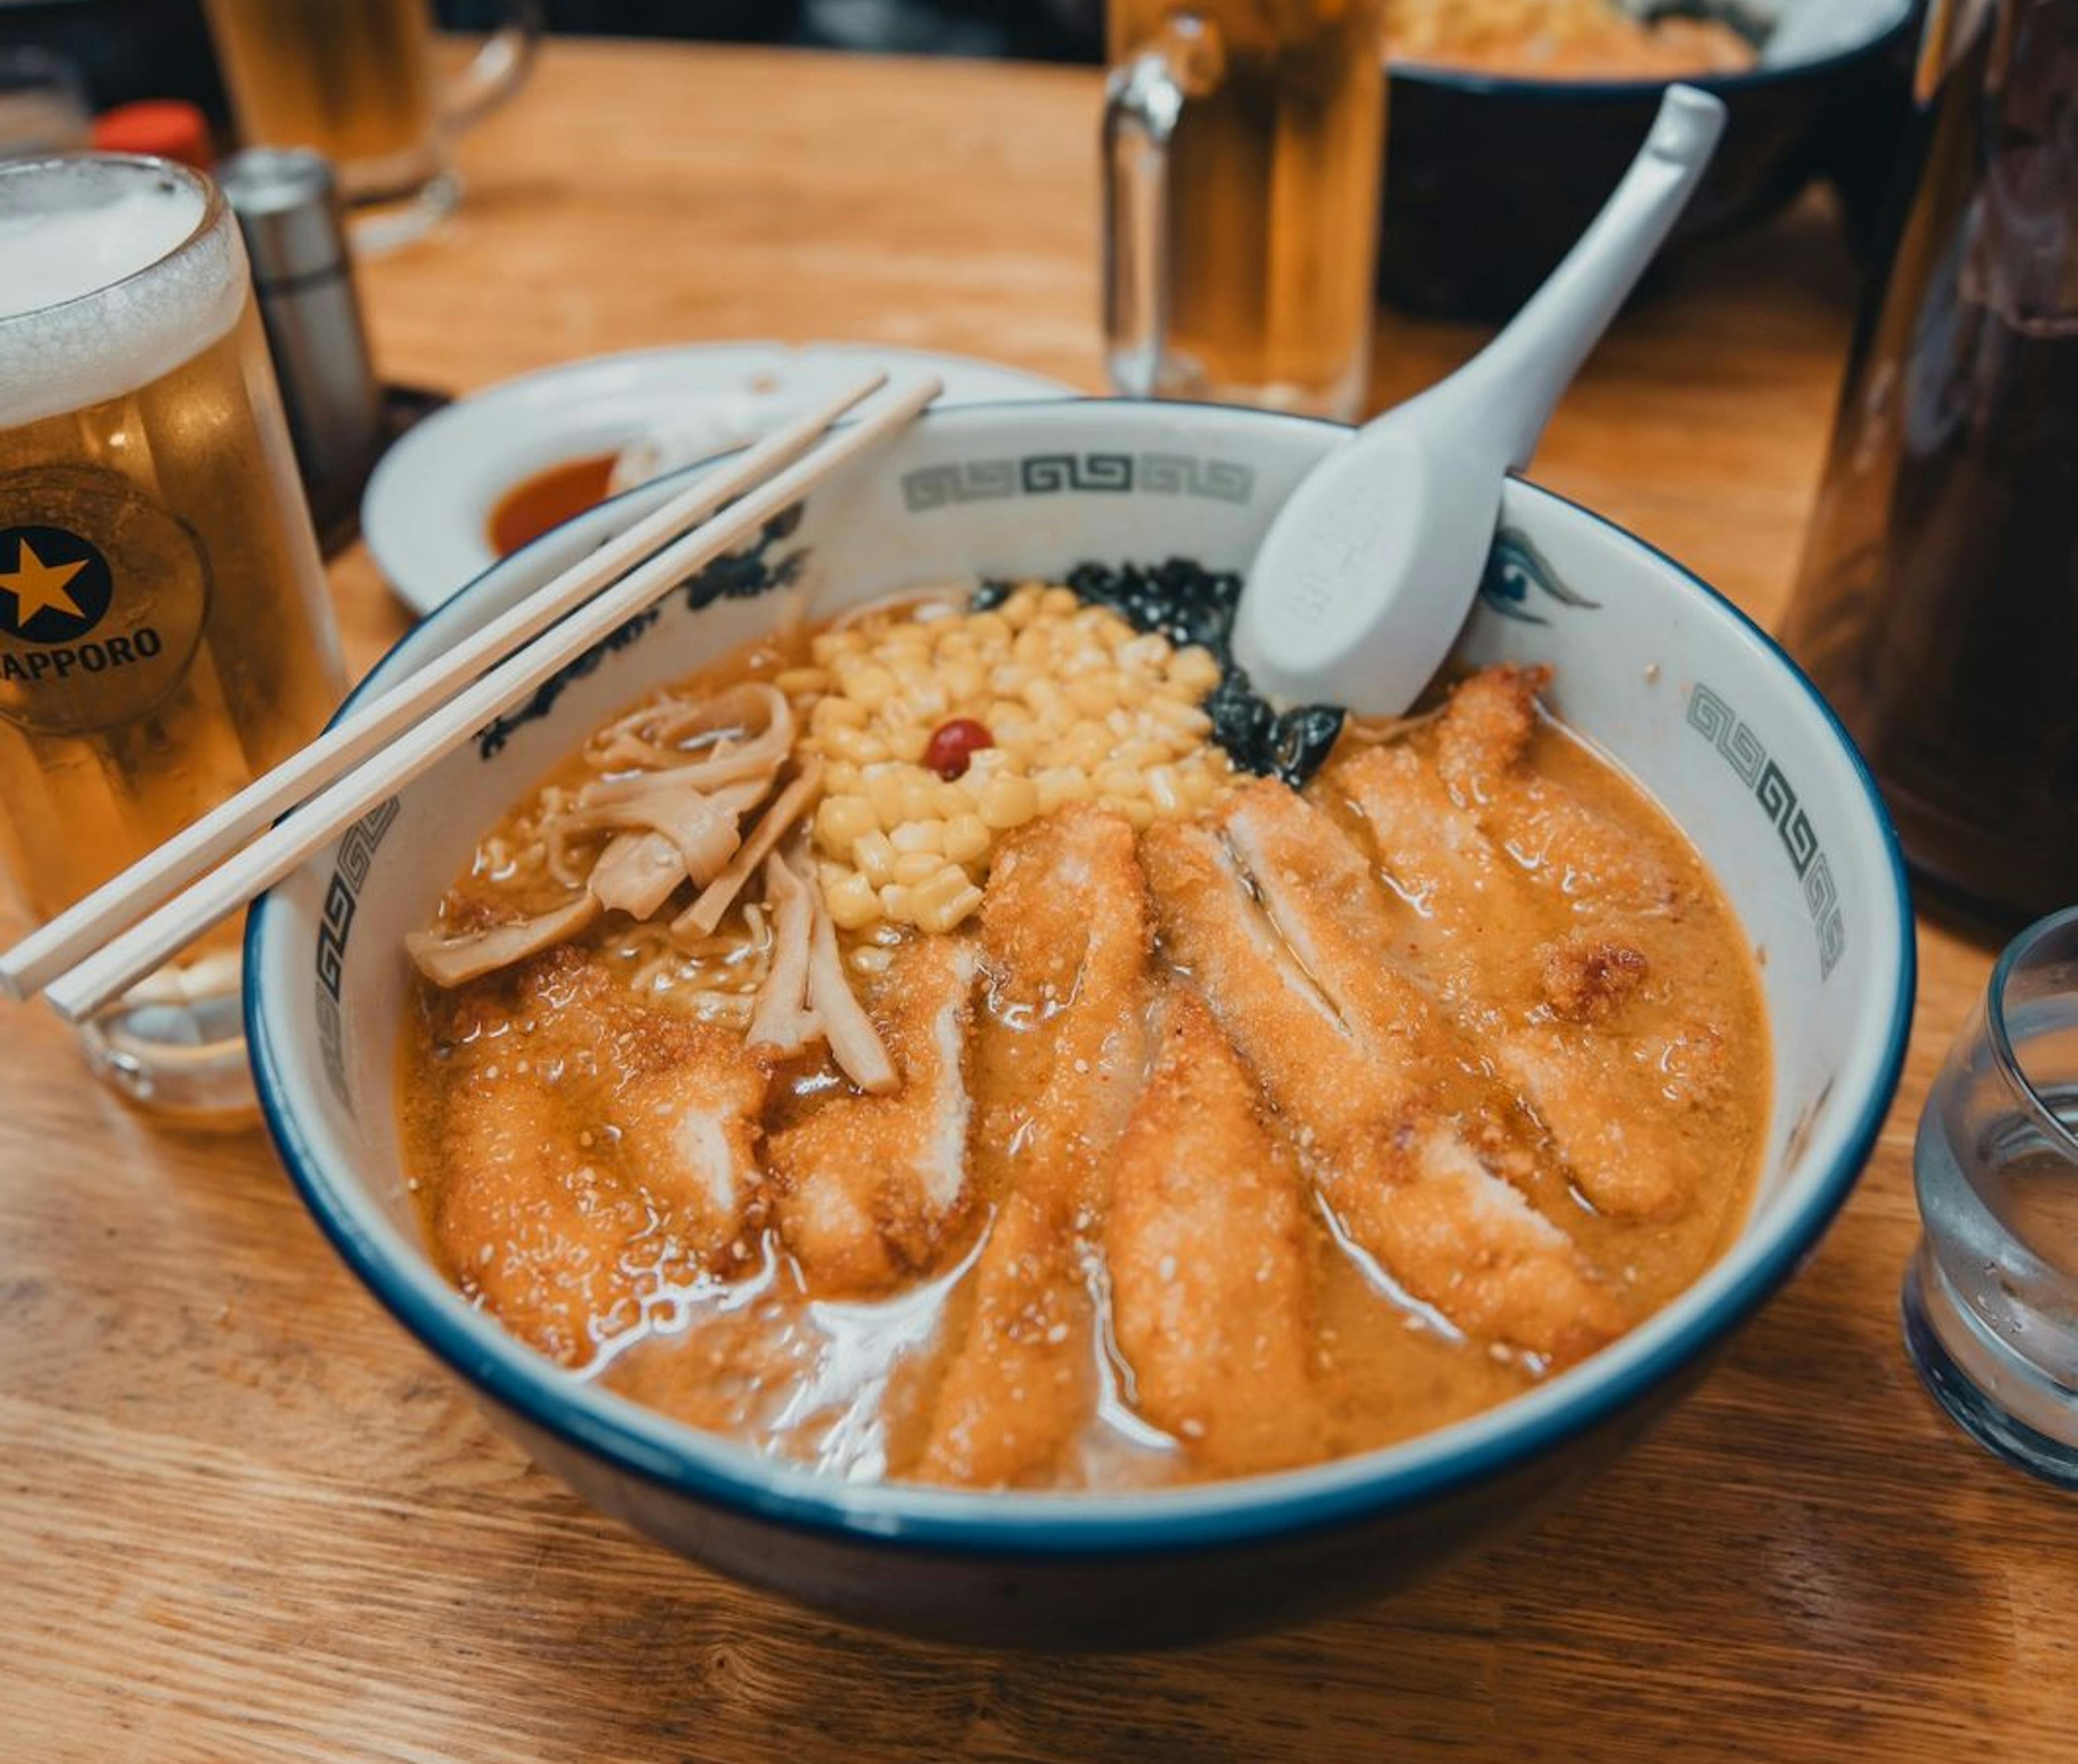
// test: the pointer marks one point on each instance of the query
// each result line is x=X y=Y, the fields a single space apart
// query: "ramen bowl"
x=1472 y=230
x=1652 y=664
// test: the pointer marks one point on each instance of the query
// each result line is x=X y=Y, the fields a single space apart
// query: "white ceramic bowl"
x=1652 y=664
x=426 y=514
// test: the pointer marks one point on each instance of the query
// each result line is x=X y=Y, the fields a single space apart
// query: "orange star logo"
x=37 y=586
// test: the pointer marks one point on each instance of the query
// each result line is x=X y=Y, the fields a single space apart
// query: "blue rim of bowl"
x=1725 y=84
x=1250 y=1510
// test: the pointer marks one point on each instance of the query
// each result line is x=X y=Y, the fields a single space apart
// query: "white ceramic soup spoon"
x=1365 y=577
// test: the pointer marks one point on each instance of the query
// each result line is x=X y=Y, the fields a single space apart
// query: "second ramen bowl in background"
x=1489 y=177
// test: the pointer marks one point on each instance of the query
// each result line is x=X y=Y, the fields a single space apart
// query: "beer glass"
x=355 y=80
x=1244 y=141
x=165 y=634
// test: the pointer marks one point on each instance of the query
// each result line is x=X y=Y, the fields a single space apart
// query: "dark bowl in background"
x=1490 y=179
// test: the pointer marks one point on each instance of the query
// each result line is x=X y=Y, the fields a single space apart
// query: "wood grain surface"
x=243 y=1516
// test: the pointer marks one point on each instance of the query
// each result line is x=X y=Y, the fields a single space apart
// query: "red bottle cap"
x=173 y=128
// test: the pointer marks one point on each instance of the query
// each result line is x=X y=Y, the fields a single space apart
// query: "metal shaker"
x=288 y=208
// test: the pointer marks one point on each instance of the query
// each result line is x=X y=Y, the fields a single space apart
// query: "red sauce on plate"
x=546 y=499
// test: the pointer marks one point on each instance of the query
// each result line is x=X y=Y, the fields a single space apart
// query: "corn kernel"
x=1022 y=607
x=835 y=713
x=869 y=684
x=1195 y=670
x=1118 y=781
x=1059 y=784
x=1060 y=601
x=1088 y=745
x=1186 y=719
x=894 y=902
x=908 y=744
x=795 y=682
x=1007 y=802
x=1092 y=694
x=944 y=899
x=1041 y=694
x=1142 y=750
x=842 y=777
x=989 y=630
x=875 y=858
x=1148 y=650
x=923 y=835
x=913 y=867
x=963 y=680
x=966 y=838
x=887 y=789
x=852 y=902
x=842 y=820
x=1165 y=791
x=923 y=699
x=861 y=746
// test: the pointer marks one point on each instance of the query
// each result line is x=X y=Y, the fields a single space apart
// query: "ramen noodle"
x=940 y=1046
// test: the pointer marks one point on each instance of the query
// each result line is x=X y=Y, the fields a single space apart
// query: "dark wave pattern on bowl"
x=1489 y=180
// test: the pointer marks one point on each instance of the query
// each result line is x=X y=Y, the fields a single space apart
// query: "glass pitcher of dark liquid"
x=1938 y=603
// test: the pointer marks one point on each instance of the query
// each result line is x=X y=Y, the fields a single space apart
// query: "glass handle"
x=1143 y=99
x=496 y=70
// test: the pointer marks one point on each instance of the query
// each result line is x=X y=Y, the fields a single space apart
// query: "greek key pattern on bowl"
x=1515 y=570
x=1716 y=721
x=1049 y=474
x=357 y=856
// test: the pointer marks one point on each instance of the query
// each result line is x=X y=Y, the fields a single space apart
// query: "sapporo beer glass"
x=1244 y=142
x=355 y=80
x=165 y=633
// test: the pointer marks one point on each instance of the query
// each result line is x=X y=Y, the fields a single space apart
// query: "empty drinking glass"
x=1991 y=1299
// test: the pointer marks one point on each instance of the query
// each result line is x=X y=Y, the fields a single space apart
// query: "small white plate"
x=428 y=505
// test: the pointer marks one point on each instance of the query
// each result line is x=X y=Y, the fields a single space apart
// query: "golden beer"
x=351 y=78
x=355 y=80
x=165 y=634
x=1246 y=139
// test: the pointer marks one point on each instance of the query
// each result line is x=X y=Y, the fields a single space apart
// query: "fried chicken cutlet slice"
x=1562 y=843
x=1365 y=1070
x=1206 y=1248
x=1065 y=926
x=867 y=1188
x=596 y=1151
x=1547 y=1002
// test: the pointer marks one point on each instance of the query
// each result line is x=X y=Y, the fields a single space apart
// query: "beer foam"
x=98 y=296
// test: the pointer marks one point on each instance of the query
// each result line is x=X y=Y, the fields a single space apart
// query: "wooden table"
x=242 y=1515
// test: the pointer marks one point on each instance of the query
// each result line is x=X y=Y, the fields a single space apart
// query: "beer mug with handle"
x=355 y=80
x=165 y=632
x=1244 y=141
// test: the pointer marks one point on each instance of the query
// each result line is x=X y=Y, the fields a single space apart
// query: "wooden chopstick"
x=88 y=923
x=277 y=853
